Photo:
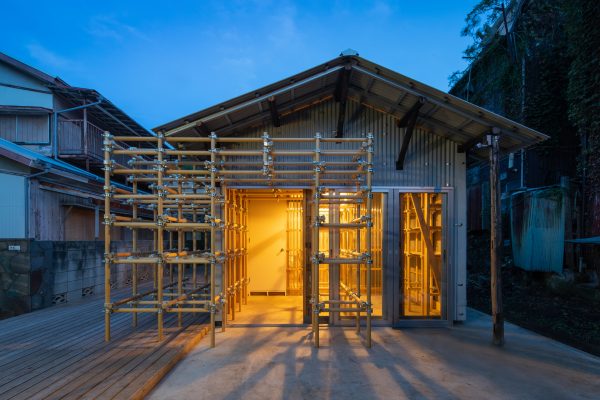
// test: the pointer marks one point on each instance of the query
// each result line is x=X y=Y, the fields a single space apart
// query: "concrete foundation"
x=280 y=363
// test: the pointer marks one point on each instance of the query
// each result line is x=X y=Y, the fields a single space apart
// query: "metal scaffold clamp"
x=109 y=219
x=108 y=165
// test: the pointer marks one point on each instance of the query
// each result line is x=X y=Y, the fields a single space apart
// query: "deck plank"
x=60 y=352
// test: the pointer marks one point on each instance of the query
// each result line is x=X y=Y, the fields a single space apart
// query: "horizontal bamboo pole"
x=173 y=302
x=135 y=152
x=343 y=226
x=342 y=261
x=187 y=152
x=132 y=171
x=338 y=302
x=135 y=138
x=139 y=296
x=346 y=310
x=187 y=260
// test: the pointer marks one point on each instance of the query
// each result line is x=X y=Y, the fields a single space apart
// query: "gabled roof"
x=105 y=113
x=371 y=85
x=33 y=72
x=111 y=117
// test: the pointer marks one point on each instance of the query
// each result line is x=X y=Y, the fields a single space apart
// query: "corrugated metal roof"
x=371 y=85
x=41 y=161
x=109 y=116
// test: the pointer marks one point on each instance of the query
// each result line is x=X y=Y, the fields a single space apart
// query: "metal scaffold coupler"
x=109 y=219
x=108 y=257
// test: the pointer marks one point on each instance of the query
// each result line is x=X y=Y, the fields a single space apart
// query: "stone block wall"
x=42 y=273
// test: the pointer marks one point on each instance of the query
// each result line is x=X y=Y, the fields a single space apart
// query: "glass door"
x=423 y=288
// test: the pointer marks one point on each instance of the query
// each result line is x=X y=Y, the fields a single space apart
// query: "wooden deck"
x=60 y=353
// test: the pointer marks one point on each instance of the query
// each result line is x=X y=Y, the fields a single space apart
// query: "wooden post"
x=496 y=240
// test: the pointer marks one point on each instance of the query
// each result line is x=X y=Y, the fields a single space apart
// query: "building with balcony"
x=52 y=188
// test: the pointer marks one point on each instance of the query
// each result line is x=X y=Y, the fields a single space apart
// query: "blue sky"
x=160 y=60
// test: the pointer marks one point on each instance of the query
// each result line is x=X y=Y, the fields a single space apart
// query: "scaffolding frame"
x=197 y=193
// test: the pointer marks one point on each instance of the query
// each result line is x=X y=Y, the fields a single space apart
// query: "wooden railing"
x=73 y=142
x=76 y=142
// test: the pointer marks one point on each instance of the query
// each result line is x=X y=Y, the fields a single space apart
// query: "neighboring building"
x=523 y=73
x=52 y=197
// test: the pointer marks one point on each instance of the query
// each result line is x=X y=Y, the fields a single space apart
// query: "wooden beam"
x=406 y=141
x=275 y=118
x=341 y=96
x=496 y=240
x=432 y=124
x=201 y=129
x=413 y=110
x=283 y=109
x=408 y=121
x=363 y=99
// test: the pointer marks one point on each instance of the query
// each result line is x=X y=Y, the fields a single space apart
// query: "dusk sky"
x=160 y=60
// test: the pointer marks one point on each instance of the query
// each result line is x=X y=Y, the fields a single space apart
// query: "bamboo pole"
x=315 y=243
x=213 y=231
x=134 y=248
x=180 y=244
x=368 y=244
x=107 y=220
x=160 y=235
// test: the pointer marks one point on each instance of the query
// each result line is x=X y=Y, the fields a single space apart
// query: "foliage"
x=480 y=22
x=583 y=93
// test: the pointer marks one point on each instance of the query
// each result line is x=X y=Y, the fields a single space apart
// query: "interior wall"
x=267 y=245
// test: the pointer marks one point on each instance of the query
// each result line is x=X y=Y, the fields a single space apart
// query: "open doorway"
x=274 y=257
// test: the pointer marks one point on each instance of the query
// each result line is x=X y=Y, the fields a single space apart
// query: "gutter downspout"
x=28 y=196
x=55 y=120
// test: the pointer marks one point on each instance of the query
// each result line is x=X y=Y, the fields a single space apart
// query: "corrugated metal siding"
x=33 y=129
x=25 y=128
x=430 y=161
x=12 y=206
x=8 y=127
x=538 y=229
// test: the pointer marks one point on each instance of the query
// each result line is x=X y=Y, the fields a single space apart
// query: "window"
x=25 y=128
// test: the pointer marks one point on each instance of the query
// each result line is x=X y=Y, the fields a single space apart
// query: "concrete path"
x=280 y=363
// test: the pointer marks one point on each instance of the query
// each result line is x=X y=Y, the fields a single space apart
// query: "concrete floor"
x=280 y=363
x=270 y=310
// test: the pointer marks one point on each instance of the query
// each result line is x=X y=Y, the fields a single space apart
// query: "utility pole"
x=496 y=238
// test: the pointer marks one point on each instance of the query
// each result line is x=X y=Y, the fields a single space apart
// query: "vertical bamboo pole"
x=315 y=242
x=238 y=249
x=107 y=224
x=194 y=243
x=496 y=241
x=206 y=249
x=213 y=210
x=160 y=192
x=227 y=251
x=369 y=229
x=245 y=250
x=134 y=249
x=170 y=266
x=154 y=247
x=358 y=247
x=180 y=244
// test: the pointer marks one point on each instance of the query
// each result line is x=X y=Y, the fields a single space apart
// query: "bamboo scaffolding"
x=197 y=191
